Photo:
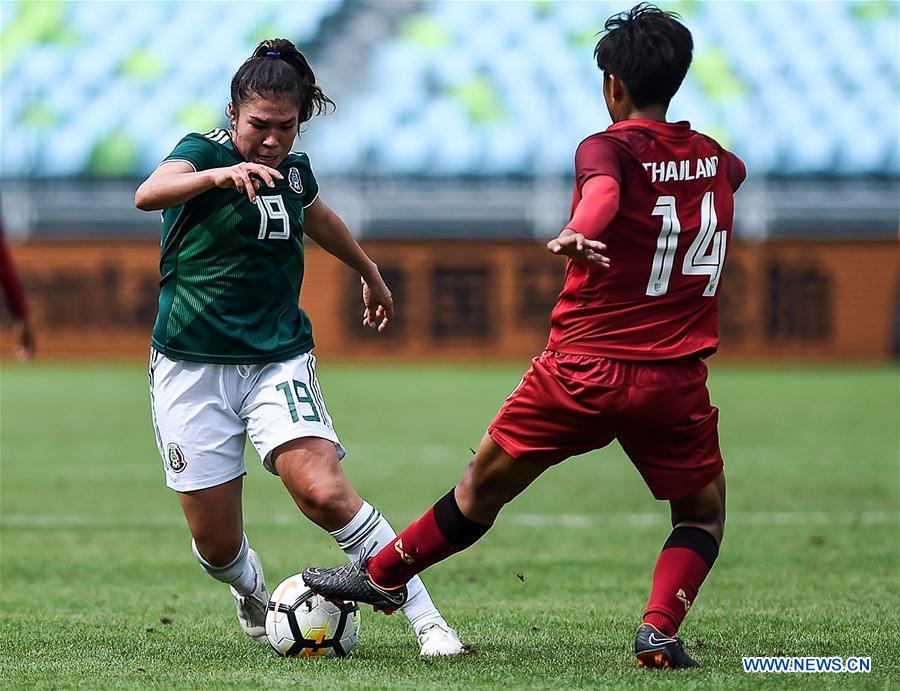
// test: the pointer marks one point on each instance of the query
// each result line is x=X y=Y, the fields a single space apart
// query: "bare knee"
x=484 y=491
x=713 y=526
x=318 y=486
x=492 y=480
x=324 y=497
x=218 y=547
x=215 y=520
x=704 y=509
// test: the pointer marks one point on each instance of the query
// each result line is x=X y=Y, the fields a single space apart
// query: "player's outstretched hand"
x=246 y=177
x=26 y=344
x=576 y=246
x=379 y=304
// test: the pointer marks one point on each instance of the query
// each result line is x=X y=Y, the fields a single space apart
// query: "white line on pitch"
x=734 y=518
x=528 y=520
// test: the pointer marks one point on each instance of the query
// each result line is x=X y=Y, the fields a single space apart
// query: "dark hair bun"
x=282 y=46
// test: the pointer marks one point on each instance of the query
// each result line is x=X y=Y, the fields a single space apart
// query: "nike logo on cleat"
x=653 y=640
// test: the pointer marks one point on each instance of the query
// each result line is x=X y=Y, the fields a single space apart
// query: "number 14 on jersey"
x=704 y=257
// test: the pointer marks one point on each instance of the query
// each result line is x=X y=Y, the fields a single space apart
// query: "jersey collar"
x=682 y=128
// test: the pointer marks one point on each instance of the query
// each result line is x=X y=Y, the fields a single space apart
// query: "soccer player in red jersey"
x=627 y=342
x=23 y=327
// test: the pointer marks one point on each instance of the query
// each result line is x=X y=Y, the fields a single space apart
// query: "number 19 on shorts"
x=297 y=395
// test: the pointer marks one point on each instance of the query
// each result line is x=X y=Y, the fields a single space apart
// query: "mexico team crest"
x=176 y=458
x=294 y=180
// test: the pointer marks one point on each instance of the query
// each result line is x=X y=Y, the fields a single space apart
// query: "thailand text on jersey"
x=667 y=245
x=231 y=269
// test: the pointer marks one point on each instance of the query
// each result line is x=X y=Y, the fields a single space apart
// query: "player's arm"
x=599 y=204
x=331 y=234
x=175 y=182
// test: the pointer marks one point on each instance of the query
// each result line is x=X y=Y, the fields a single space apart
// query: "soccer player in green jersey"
x=231 y=351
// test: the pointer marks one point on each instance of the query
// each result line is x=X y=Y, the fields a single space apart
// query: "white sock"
x=367 y=528
x=240 y=573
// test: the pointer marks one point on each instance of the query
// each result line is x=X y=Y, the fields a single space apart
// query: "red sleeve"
x=597 y=155
x=12 y=286
x=737 y=172
x=597 y=207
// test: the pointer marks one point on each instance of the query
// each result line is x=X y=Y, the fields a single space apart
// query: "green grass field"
x=99 y=588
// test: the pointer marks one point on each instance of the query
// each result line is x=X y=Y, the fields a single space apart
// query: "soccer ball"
x=300 y=623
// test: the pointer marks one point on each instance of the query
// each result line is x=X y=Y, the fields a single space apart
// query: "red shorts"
x=659 y=411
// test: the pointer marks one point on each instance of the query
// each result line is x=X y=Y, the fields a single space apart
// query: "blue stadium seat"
x=489 y=88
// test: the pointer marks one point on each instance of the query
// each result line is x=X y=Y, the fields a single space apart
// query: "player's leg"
x=215 y=519
x=310 y=470
x=293 y=432
x=538 y=426
x=492 y=479
x=688 y=555
x=201 y=441
x=459 y=519
x=670 y=434
x=704 y=509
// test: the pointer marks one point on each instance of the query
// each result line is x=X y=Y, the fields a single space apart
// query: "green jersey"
x=231 y=270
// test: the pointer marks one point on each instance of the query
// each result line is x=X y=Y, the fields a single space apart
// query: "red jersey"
x=12 y=284
x=667 y=245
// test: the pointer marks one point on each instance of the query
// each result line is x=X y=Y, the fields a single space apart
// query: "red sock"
x=686 y=558
x=442 y=531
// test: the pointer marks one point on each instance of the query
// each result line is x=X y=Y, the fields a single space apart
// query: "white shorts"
x=203 y=412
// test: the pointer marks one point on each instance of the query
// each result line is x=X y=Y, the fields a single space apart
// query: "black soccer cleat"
x=351 y=582
x=655 y=650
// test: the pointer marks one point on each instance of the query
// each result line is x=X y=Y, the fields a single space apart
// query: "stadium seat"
x=458 y=88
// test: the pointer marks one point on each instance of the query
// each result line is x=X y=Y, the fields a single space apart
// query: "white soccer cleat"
x=439 y=639
x=251 y=609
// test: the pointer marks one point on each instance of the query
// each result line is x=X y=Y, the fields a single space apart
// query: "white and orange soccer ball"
x=300 y=623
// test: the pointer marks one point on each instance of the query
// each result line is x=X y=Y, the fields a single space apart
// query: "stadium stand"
x=456 y=88
x=107 y=88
